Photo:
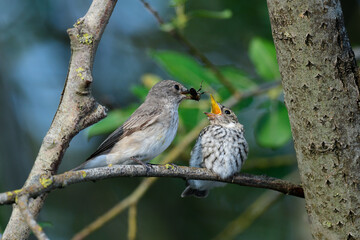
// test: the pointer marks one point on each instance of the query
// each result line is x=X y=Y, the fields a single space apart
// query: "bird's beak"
x=191 y=94
x=215 y=109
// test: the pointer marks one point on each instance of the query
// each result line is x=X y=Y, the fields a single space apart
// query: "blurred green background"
x=133 y=54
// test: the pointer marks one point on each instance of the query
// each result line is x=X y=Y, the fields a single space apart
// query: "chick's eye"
x=227 y=112
x=177 y=87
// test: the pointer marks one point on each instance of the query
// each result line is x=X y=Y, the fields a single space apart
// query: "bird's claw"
x=147 y=166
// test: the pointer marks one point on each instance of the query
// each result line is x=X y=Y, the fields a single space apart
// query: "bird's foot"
x=139 y=162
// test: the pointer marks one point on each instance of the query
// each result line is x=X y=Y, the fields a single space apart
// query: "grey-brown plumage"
x=148 y=131
x=220 y=147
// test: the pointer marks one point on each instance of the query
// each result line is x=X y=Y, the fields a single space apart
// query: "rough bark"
x=321 y=85
x=76 y=111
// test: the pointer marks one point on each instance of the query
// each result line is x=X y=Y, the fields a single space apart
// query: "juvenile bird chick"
x=221 y=147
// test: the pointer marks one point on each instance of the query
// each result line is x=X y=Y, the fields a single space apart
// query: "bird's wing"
x=139 y=120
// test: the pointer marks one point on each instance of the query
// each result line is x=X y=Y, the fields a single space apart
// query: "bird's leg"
x=139 y=162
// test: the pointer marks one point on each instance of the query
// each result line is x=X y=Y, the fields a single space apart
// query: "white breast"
x=169 y=132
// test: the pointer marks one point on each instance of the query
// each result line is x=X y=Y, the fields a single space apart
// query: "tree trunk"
x=321 y=85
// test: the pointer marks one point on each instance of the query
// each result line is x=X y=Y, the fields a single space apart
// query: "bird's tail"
x=99 y=161
x=81 y=167
x=194 y=192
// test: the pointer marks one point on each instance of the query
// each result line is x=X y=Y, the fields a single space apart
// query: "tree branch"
x=46 y=184
x=22 y=202
x=77 y=109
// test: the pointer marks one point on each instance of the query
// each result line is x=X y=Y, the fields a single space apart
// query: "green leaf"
x=187 y=70
x=223 y=92
x=265 y=105
x=183 y=68
x=113 y=120
x=175 y=3
x=189 y=117
x=239 y=79
x=244 y=103
x=272 y=129
x=140 y=91
x=225 y=14
x=263 y=55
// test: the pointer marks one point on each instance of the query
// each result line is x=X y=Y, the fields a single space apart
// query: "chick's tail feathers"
x=194 y=192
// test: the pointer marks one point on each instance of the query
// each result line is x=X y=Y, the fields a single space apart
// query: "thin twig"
x=153 y=12
x=263 y=88
x=117 y=209
x=194 y=51
x=252 y=212
x=132 y=222
x=22 y=202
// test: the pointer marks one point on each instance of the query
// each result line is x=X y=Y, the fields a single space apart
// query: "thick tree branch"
x=47 y=184
x=77 y=108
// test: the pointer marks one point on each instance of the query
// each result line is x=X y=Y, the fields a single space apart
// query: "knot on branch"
x=92 y=112
x=84 y=75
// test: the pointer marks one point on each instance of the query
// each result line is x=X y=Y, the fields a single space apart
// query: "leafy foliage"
x=183 y=68
x=272 y=129
x=262 y=53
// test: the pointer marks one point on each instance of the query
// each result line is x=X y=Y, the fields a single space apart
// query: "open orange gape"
x=215 y=108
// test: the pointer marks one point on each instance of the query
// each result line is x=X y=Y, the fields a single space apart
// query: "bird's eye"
x=177 y=87
x=227 y=112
